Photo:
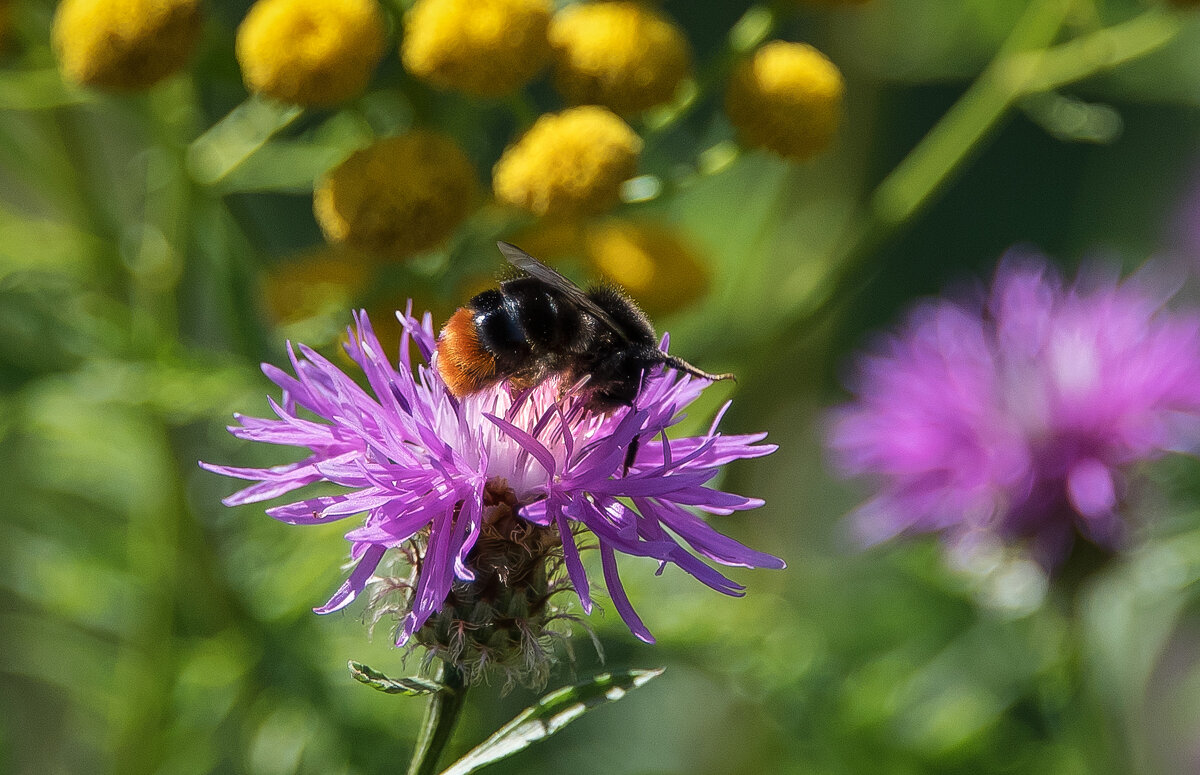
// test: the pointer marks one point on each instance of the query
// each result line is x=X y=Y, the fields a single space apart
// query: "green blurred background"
x=145 y=628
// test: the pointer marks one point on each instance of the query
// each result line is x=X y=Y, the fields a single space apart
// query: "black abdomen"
x=526 y=325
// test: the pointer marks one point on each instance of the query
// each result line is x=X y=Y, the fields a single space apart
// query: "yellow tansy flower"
x=124 y=44
x=568 y=163
x=483 y=47
x=398 y=196
x=786 y=98
x=623 y=55
x=310 y=53
x=653 y=261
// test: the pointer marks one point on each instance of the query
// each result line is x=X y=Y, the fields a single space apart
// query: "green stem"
x=441 y=715
x=1095 y=52
x=1027 y=64
x=953 y=139
x=754 y=26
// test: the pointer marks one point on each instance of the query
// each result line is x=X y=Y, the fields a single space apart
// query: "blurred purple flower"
x=1015 y=416
x=1183 y=229
x=416 y=459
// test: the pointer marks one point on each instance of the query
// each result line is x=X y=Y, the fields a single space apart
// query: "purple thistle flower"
x=414 y=458
x=1015 y=416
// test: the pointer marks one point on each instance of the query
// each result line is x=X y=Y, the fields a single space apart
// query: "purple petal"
x=311 y=511
x=575 y=571
x=435 y=579
x=650 y=485
x=536 y=513
x=714 y=501
x=528 y=443
x=707 y=575
x=469 y=525
x=355 y=583
x=703 y=538
x=397 y=521
x=1091 y=489
x=718 y=452
x=612 y=580
x=276 y=481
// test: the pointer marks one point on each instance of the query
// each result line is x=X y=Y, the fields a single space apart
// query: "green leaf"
x=292 y=165
x=550 y=714
x=282 y=166
x=231 y=141
x=412 y=687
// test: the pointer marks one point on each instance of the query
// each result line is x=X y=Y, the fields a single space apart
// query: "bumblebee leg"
x=631 y=453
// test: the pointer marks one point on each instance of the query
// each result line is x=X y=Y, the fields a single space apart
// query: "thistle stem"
x=441 y=715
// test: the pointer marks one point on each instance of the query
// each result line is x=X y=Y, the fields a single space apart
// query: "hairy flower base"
x=501 y=618
x=426 y=469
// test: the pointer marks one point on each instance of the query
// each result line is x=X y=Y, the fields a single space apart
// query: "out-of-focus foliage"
x=156 y=246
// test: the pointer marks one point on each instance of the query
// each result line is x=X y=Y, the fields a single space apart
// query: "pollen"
x=310 y=53
x=623 y=55
x=654 y=261
x=462 y=361
x=124 y=45
x=399 y=196
x=486 y=48
x=569 y=163
x=786 y=98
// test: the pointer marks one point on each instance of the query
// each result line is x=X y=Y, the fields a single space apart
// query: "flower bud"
x=310 y=53
x=786 y=98
x=623 y=55
x=398 y=196
x=487 y=48
x=568 y=163
x=499 y=619
x=124 y=44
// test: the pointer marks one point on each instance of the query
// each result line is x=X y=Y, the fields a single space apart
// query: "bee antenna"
x=679 y=363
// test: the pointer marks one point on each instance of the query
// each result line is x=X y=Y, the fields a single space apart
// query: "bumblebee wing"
x=539 y=271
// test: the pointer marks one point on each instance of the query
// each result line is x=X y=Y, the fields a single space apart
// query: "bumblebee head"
x=618 y=379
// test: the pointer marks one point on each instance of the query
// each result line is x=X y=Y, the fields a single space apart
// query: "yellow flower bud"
x=483 y=47
x=124 y=44
x=398 y=196
x=653 y=261
x=568 y=163
x=310 y=53
x=786 y=98
x=623 y=55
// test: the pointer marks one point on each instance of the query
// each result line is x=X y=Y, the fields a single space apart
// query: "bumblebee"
x=541 y=325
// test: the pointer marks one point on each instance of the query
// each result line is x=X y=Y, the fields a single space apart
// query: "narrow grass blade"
x=550 y=714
